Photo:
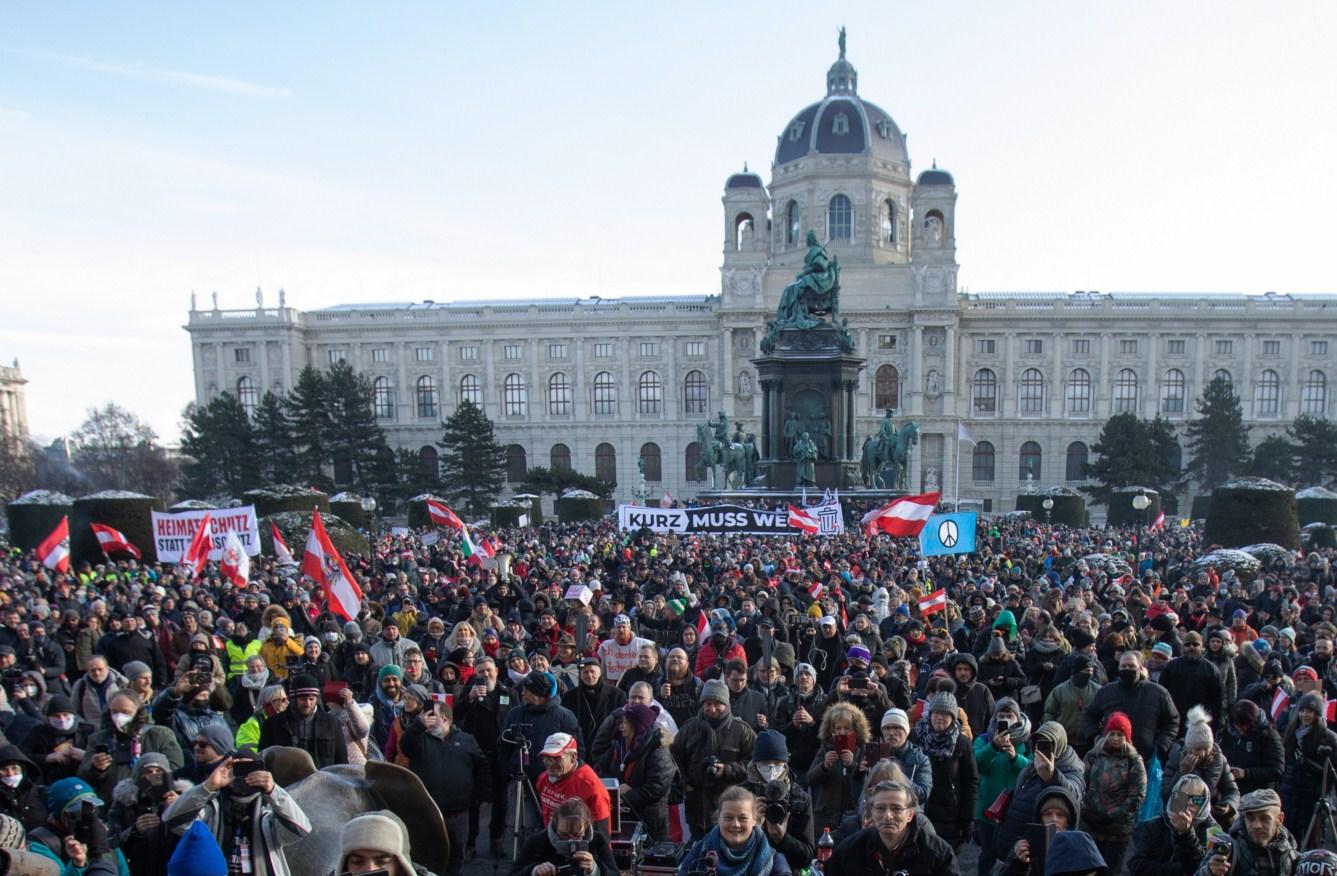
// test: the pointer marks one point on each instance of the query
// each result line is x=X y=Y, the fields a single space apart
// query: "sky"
x=389 y=152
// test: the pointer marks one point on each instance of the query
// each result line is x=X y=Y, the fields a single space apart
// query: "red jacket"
x=707 y=657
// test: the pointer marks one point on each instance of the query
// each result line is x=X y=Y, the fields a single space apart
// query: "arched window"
x=695 y=396
x=839 y=219
x=471 y=390
x=1173 y=392
x=605 y=393
x=1223 y=374
x=1077 y=393
x=248 y=395
x=1032 y=395
x=649 y=393
x=559 y=458
x=1125 y=391
x=691 y=458
x=791 y=224
x=1267 y=394
x=559 y=395
x=934 y=227
x=429 y=465
x=887 y=388
x=426 y=395
x=514 y=396
x=984 y=392
x=889 y=221
x=981 y=463
x=1314 y=394
x=1077 y=458
x=654 y=467
x=383 y=399
x=605 y=463
x=1029 y=461
x=743 y=228
x=516 y=464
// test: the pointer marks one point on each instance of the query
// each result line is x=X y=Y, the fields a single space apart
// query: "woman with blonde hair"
x=737 y=841
x=464 y=636
x=836 y=777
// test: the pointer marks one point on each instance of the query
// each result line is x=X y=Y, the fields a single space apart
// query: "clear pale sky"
x=383 y=152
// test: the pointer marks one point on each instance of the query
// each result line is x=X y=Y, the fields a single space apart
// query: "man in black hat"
x=306 y=725
x=593 y=699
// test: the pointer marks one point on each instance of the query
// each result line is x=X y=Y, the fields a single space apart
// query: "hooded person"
x=197 y=854
x=374 y=842
x=57 y=744
x=1055 y=807
x=975 y=698
x=712 y=750
x=1000 y=671
x=1308 y=748
x=1174 y=843
x=1002 y=751
x=1198 y=753
x=22 y=794
x=1116 y=787
x=1074 y=853
x=126 y=733
x=134 y=818
x=1053 y=764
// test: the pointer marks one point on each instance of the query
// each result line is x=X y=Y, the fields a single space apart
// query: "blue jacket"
x=1073 y=851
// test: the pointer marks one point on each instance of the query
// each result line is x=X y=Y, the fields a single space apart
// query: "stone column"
x=1103 y=385
x=949 y=372
x=850 y=386
x=726 y=372
x=766 y=425
x=1152 y=405
x=404 y=395
x=915 y=378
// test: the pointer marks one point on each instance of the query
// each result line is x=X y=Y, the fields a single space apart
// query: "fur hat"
x=379 y=831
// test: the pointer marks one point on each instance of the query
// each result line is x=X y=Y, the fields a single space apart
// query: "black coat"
x=327 y=736
x=802 y=742
x=27 y=802
x=1158 y=851
x=956 y=786
x=1195 y=681
x=798 y=843
x=453 y=769
x=535 y=724
x=1302 y=781
x=1258 y=753
x=974 y=697
x=538 y=850
x=922 y=854
x=592 y=707
x=1003 y=678
x=1147 y=704
x=649 y=773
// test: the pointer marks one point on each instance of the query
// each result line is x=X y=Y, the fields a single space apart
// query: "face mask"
x=771 y=771
x=30 y=690
x=121 y=720
x=64 y=724
x=1081 y=679
x=12 y=781
x=1127 y=677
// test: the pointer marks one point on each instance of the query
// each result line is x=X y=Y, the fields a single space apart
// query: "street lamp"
x=1048 y=505
x=369 y=506
x=1142 y=503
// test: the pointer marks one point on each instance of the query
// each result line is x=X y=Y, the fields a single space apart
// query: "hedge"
x=349 y=507
x=1321 y=537
x=33 y=515
x=1069 y=507
x=1316 y=505
x=286 y=497
x=295 y=525
x=417 y=510
x=1247 y=511
x=1122 y=512
x=128 y=512
x=575 y=510
x=1202 y=506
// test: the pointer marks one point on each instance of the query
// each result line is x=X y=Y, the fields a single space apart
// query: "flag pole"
x=956 y=490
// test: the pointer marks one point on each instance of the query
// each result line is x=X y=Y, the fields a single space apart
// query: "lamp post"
x=1048 y=505
x=1142 y=503
x=369 y=506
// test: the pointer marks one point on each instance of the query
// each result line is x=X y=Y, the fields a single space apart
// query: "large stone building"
x=595 y=383
x=13 y=406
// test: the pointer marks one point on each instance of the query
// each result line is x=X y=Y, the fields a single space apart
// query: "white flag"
x=962 y=434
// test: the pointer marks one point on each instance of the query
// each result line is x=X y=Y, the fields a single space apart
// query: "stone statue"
x=283 y=299
x=930 y=479
x=934 y=383
x=805 y=454
x=738 y=435
x=841 y=43
x=814 y=292
x=1029 y=486
x=824 y=435
x=744 y=384
x=791 y=431
x=192 y=301
x=215 y=296
x=259 y=299
x=640 y=466
x=752 y=458
x=933 y=226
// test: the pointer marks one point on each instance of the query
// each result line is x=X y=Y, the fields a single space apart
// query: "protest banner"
x=723 y=519
x=172 y=532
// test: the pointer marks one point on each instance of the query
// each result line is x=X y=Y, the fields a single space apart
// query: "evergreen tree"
x=542 y=480
x=1121 y=455
x=355 y=437
x=1315 y=445
x=1217 y=442
x=1165 y=465
x=220 y=442
x=473 y=464
x=274 y=441
x=1274 y=459
x=309 y=415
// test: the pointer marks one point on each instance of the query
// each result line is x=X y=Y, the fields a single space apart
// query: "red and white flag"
x=702 y=627
x=322 y=564
x=935 y=601
x=113 y=541
x=280 y=546
x=54 y=550
x=443 y=516
x=816 y=590
x=197 y=554
x=800 y=519
x=1280 y=700
x=235 y=564
x=904 y=516
x=488 y=547
x=1330 y=711
x=666 y=501
x=1158 y=523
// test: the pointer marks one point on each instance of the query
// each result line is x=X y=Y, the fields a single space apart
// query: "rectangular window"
x=1175 y=348
x=511 y=351
x=886 y=342
x=649 y=348
x=1225 y=348
x=988 y=506
x=469 y=354
x=557 y=351
x=336 y=356
x=1318 y=348
x=603 y=350
x=1081 y=345
x=1271 y=348
x=696 y=348
x=241 y=355
x=986 y=346
x=1128 y=347
x=422 y=354
x=380 y=354
x=1034 y=347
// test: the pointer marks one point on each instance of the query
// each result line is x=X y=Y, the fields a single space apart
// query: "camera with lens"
x=710 y=763
x=777 y=802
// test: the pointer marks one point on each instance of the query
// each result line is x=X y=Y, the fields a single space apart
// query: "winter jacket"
x=1212 y=769
x=835 y=790
x=998 y=772
x=750 y=703
x=1154 y=716
x=43 y=739
x=276 y=654
x=1011 y=865
x=1225 y=667
x=538 y=849
x=683 y=700
x=801 y=741
x=1116 y=786
x=974 y=697
x=710 y=660
x=327 y=746
x=121 y=747
x=90 y=701
x=27 y=802
x=535 y=724
x=1258 y=753
x=453 y=768
x=275 y=821
x=1066 y=703
x=1302 y=780
x=798 y=843
x=1158 y=850
x=1003 y=678
x=1246 y=859
x=1069 y=772
x=956 y=780
x=697 y=740
x=923 y=853
x=1195 y=681
x=592 y=706
x=648 y=771
x=146 y=853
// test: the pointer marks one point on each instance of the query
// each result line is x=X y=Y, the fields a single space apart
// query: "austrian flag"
x=935 y=601
x=113 y=541
x=443 y=516
x=322 y=564
x=54 y=550
x=904 y=516
x=197 y=554
x=280 y=546
x=800 y=519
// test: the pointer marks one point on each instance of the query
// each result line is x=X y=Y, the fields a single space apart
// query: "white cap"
x=828 y=620
x=896 y=718
x=558 y=743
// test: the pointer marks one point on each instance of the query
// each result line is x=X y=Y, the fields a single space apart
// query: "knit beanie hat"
x=770 y=745
x=389 y=669
x=1119 y=721
x=197 y=854
x=896 y=718
x=942 y=702
x=377 y=831
x=135 y=669
x=58 y=703
x=24 y=863
x=541 y=684
x=716 y=690
x=1163 y=649
x=805 y=668
x=640 y=716
x=12 y=834
x=1199 y=732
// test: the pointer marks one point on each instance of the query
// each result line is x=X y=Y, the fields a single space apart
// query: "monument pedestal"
x=808 y=381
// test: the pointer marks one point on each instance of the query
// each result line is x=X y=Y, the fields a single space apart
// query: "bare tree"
x=114 y=450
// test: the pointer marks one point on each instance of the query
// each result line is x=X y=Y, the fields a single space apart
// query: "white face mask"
x=66 y=723
x=12 y=781
x=121 y=719
x=771 y=771
x=30 y=690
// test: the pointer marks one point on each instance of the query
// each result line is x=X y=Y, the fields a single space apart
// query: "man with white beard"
x=453 y=769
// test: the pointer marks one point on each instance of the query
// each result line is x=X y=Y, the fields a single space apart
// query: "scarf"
x=754 y=858
x=938 y=746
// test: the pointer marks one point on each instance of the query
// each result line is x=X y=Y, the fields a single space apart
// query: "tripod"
x=517 y=799
x=1322 y=831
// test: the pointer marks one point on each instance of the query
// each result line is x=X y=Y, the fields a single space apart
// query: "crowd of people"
x=1087 y=701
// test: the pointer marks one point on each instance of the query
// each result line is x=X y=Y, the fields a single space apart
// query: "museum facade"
x=596 y=383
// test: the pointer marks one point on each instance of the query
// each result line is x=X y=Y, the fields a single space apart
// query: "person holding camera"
x=526 y=730
x=568 y=846
x=798 y=717
x=1174 y=842
x=185 y=707
x=126 y=734
x=896 y=843
x=1259 y=843
x=736 y=845
x=453 y=770
x=73 y=835
x=135 y=817
x=836 y=776
x=638 y=757
x=279 y=647
x=711 y=750
x=481 y=711
x=1053 y=763
x=787 y=812
x=1308 y=748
